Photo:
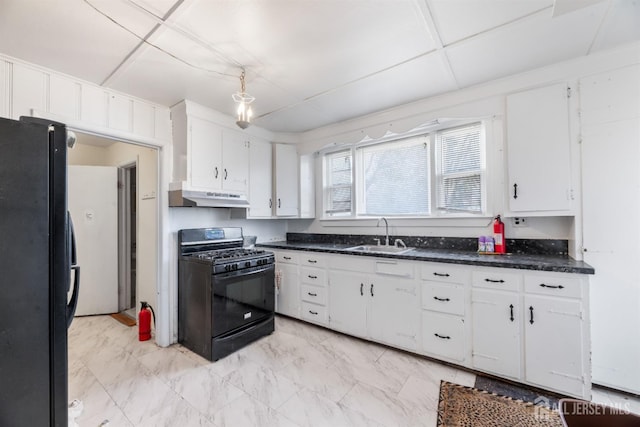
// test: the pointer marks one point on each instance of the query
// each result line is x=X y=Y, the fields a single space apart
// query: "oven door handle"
x=245 y=273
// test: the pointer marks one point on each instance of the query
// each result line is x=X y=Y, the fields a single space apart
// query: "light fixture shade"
x=244 y=112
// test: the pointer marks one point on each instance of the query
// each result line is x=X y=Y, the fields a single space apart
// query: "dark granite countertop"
x=540 y=262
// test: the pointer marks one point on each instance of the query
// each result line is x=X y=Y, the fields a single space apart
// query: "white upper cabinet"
x=539 y=151
x=64 y=97
x=260 y=179
x=94 y=103
x=29 y=90
x=207 y=156
x=286 y=180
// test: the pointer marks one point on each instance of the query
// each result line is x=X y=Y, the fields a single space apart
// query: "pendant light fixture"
x=244 y=100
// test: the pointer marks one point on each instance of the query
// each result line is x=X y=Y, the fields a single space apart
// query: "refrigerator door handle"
x=73 y=303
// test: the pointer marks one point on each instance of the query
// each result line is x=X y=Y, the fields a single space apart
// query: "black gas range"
x=226 y=295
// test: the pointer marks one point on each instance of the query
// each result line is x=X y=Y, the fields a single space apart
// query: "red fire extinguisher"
x=500 y=246
x=144 y=321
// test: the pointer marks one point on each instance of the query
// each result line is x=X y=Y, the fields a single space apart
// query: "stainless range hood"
x=212 y=199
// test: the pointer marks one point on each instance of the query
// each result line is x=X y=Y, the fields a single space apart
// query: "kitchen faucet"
x=386 y=226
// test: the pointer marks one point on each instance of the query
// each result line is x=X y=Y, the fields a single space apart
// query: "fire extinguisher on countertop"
x=144 y=321
x=500 y=245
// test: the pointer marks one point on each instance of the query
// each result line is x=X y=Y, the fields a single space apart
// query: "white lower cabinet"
x=381 y=307
x=554 y=333
x=527 y=326
x=496 y=332
x=287 y=284
x=537 y=333
x=348 y=302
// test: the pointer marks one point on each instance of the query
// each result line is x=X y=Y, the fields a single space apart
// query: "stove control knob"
x=235 y=266
x=247 y=264
x=227 y=267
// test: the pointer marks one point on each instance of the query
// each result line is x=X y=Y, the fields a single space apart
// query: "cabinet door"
x=496 y=332
x=395 y=312
x=554 y=343
x=260 y=179
x=235 y=161
x=287 y=290
x=206 y=154
x=348 y=302
x=29 y=91
x=538 y=144
x=286 y=171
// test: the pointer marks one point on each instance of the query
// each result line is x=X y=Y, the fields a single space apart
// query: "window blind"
x=339 y=182
x=460 y=168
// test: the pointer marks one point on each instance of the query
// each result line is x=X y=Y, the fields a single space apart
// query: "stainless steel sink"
x=380 y=249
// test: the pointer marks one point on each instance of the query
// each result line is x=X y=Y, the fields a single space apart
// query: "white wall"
x=482 y=101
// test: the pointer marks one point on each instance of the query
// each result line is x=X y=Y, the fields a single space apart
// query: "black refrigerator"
x=37 y=268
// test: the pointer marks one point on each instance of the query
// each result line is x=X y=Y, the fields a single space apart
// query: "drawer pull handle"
x=312 y=277
x=511 y=309
x=542 y=285
x=312 y=261
x=315 y=313
x=531 y=313
x=444 y=337
x=361 y=287
x=441 y=274
x=441 y=299
x=287 y=258
x=515 y=191
x=312 y=294
x=372 y=289
x=270 y=203
x=216 y=172
x=494 y=281
x=225 y=174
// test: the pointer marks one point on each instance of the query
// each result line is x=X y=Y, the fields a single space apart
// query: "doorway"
x=127 y=241
x=136 y=237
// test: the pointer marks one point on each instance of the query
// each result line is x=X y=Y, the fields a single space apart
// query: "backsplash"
x=514 y=246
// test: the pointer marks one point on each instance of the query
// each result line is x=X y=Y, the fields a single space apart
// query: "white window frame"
x=357 y=184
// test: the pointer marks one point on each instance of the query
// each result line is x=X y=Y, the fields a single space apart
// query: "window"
x=338 y=183
x=435 y=174
x=460 y=168
x=395 y=176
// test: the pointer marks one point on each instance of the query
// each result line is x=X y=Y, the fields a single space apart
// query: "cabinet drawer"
x=287 y=257
x=442 y=297
x=311 y=259
x=314 y=294
x=443 y=335
x=496 y=279
x=313 y=276
x=553 y=285
x=445 y=273
x=394 y=268
x=314 y=313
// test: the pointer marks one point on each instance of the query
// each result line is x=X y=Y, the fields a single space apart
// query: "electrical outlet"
x=518 y=222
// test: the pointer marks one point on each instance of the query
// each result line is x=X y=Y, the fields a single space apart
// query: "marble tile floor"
x=301 y=375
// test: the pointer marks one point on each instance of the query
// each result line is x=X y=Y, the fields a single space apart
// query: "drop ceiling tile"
x=622 y=25
x=417 y=79
x=65 y=35
x=535 y=42
x=457 y=20
x=312 y=46
x=296 y=119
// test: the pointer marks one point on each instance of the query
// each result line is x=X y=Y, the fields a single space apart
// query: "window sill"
x=403 y=221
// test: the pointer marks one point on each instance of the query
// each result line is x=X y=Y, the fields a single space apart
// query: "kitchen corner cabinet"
x=285 y=164
x=539 y=151
x=207 y=156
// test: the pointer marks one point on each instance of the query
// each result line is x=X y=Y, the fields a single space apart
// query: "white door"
x=287 y=295
x=235 y=161
x=348 y=300
x=93 y=196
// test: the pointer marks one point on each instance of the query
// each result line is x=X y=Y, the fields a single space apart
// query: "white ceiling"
x=308 y=62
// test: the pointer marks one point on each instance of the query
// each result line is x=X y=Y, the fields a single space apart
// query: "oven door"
x=241 y=298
